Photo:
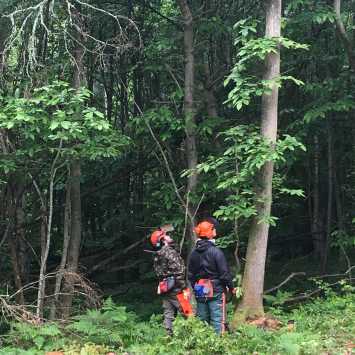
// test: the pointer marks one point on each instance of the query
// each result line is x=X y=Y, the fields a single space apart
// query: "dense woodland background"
x=119 y=116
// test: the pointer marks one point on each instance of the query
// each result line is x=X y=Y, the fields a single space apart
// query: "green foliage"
x=246 y=84
x=161 y=119
x=315 y=12
x=279 y=298
x=57 y=113
x=41 y=337
x=101 y=326
x=322 y=109
x=321 y=326
x=341 y=239
x=239 y=165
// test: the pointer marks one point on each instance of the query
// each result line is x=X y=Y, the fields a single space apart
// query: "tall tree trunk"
x=348 y=43
x=75 y=238
x=189 y=109
x=46 y=228
x=330 y=198
x=14 y=255
x=16 y=234
x=4 y=32
x=21 y=237
x=253 y=280
x=63 y=261
x=75 y=194
x=317 y=233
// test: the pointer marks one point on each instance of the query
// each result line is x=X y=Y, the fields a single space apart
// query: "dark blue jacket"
x=208 y=262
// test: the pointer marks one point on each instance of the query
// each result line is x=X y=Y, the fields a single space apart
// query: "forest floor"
x=325 y=325
x=131 y=323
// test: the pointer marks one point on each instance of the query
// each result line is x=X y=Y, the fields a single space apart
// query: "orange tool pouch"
x=183 y=298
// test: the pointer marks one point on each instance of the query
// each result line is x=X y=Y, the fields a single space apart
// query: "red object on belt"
x=184 y=300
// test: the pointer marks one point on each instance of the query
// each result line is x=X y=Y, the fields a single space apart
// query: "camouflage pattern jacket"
x=168 y=262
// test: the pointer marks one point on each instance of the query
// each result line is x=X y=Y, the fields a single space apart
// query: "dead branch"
x=27 y=313
x=284 y=282
x=308 y=295
x=30 y=20
x=346 y=273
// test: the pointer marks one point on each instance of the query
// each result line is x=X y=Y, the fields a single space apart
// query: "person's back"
x=208 y=270
x=208 y=262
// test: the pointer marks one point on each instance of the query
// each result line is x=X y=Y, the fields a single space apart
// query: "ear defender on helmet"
x=156 y=238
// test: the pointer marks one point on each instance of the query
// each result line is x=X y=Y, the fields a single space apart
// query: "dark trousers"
x=170 y=306
x=213 y=311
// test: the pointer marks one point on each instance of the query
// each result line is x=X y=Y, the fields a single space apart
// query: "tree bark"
x=13 y=246
x=21 y=237
x=253 y=279
x=343 y=35
x=75 y=194
x=317 y=233
x=211 y=104
x=15 y=233
x=63 y=261
x=329 y=199
x=46 y=229
x=189 y=110
x=75 y=238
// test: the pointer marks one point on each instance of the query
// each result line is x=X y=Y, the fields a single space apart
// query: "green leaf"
x=65 y=124
x=54 y=125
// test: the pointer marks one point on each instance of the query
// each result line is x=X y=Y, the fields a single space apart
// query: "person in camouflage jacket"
x=168 y=264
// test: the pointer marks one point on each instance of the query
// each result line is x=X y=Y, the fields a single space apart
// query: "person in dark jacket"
x=210 y=277
x=170 y=270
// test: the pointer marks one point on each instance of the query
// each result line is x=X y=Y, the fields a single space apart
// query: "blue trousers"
x=213 y=311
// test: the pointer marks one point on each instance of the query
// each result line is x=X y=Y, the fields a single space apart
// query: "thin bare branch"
x=284 y=282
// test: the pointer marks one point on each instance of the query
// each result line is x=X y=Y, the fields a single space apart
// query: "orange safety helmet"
x=156 y=237
x=205 y=229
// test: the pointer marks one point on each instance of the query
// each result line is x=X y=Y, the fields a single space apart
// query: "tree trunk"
x=317 y=234
x=15 y=234
x=75 y=238
x=75 y=195
x=343 y=34
x=253 y=280
x=330 y=198
x=211 y=104
x=189 y=110
x=46 y=229
x=63 y=261
x=21 y=237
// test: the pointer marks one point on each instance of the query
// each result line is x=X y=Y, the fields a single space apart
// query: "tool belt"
x=166 y=285
x=203 y=288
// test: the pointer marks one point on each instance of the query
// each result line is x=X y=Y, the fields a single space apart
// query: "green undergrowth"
x=322 y=326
